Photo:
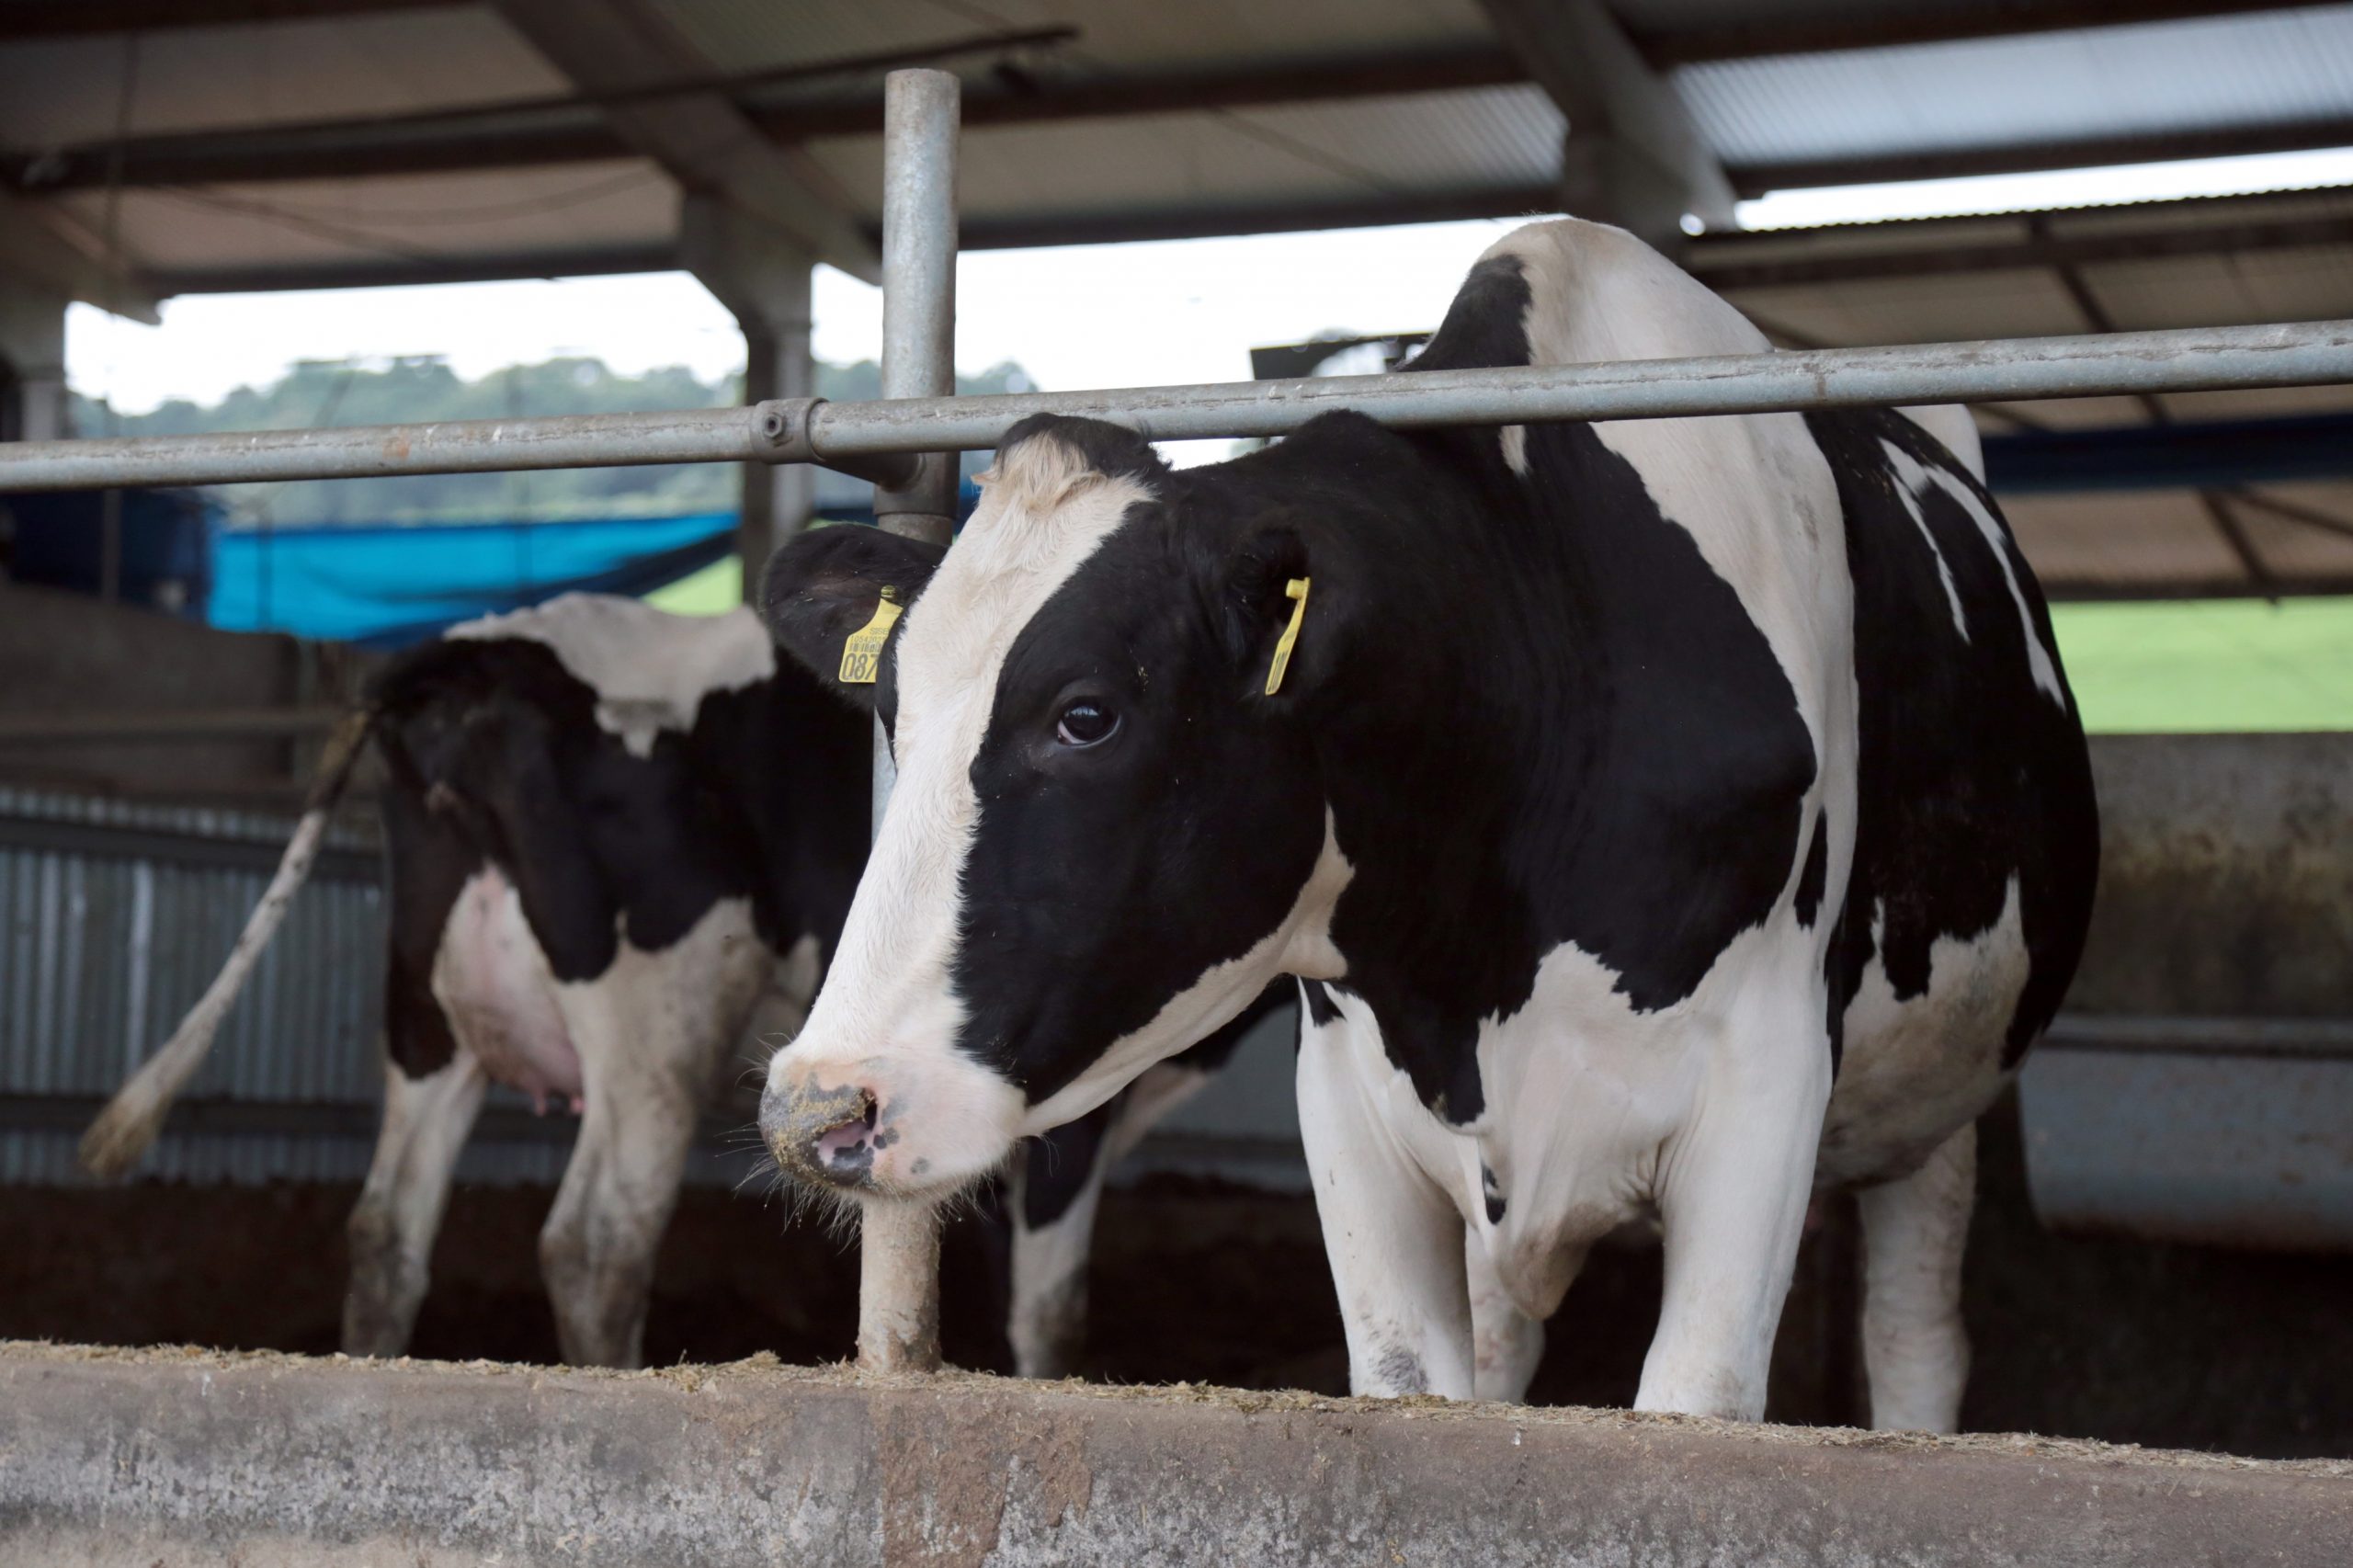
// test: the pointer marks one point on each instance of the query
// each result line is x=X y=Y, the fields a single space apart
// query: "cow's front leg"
x=1733 y=1186
x=1394 y=1241
x=1508 y=1343
x=1056 y=1187
x=1915 y=1347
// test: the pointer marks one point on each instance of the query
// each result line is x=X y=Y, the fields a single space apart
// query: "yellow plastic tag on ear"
x=1297 y=589
x=862 y=653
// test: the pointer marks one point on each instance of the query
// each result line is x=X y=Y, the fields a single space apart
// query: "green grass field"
x=2209 y=665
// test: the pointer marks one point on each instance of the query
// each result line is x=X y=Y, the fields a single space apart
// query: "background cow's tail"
x=130 y=1120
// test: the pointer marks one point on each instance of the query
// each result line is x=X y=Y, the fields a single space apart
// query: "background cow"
x=621 y=844
x=1663 y=818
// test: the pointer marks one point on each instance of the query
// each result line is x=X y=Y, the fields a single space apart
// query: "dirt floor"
x=2246 y=1353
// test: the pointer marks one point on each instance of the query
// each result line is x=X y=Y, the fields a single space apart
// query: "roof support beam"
x=764 y=282
x=2163 y=147
x=570 y=130
x=704 y=140
x=67 y=18
x=1634 y=156
x=47 y=247
x=1800 y=258
x=365 y=272
x=1891 y=26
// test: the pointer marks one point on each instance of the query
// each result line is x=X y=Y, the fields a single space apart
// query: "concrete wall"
x=32 y=346
x=68 y=652
x=2227 y=877
x=194 y=1458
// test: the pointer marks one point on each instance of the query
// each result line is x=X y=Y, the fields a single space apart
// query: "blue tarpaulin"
x=387 y=587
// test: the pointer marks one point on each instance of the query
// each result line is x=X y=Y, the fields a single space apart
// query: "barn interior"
x=2160 y=1253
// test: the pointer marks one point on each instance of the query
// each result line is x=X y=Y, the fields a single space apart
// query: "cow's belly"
x=1915 y=1070
x=1585 y=1093
x=494 y=986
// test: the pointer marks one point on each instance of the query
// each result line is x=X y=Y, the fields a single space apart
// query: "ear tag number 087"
x=862 y=653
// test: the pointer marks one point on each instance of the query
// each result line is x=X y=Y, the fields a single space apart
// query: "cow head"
x=1105 y=836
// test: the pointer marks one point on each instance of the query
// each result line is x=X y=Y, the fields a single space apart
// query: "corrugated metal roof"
x=422 y=219
x=1431 y=142
x=2273 y=68
x=751 y=33
x=63 y=90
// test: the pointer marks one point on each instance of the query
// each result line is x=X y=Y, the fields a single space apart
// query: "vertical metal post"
x=920 y=109
x=898 y=1297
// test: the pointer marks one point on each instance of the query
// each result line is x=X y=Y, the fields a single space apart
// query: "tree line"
x=416 y=390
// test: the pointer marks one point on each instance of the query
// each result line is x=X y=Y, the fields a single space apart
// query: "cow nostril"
x=827 y=1135
x=848 y=1149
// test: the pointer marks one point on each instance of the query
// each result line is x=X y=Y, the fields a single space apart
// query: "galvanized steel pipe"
x=920 y=112
x=2196 y=360
x=762 y=433
x=851 y=435
x=898 y=1285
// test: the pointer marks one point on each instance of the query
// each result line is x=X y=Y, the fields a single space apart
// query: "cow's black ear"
x=1278 y=637
x=830 y=586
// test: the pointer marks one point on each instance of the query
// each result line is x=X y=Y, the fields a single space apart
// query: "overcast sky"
x=1077 y=317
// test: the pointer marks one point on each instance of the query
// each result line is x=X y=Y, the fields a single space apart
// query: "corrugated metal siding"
x=114 y=917
x=2271 y=68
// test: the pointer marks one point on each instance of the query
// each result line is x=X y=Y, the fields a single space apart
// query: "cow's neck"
x=1559 y=726
x=1458 y=749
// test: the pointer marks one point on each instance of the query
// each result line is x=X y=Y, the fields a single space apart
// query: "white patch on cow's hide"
x=1596 y=1114
x=1754 y=492
x=650 y=669
x=889 y=1016
x=1916 y=1069
x=1916 y=478
x=1957 y=429
x=1909 y=495
x=493 y=981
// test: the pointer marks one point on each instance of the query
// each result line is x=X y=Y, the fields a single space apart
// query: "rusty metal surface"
x=2301 y=354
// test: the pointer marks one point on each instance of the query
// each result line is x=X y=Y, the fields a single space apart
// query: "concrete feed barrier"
x=192 y=1458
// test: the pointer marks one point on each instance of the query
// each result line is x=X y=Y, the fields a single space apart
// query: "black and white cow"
x=1665 y=819
x=621 y=846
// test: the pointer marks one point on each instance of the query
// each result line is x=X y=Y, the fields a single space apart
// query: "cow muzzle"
x=827 y=1136
x=898 y=1124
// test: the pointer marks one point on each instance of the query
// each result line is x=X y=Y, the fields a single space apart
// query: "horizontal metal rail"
x=169 y=726
x=2175 y=1035
x=864 y=438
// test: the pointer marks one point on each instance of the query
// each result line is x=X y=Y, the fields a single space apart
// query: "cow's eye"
x=1086 y=722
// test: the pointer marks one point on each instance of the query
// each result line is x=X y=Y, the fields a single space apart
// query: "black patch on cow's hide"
x=1536 y=713
x=493 y=755
x=1317 y=998
x=1057 y=1164
x=1968 y=774
x=1103 y=880
x=827 y=583
x=1816 y=872
x=1537 y=716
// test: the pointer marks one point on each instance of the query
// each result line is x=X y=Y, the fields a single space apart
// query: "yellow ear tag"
x=1297 y=589
x=862 y=653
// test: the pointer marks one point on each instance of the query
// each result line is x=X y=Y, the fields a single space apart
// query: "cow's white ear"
x=833 y=597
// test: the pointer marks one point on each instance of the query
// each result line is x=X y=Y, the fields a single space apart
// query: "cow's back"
x=1976 y=842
